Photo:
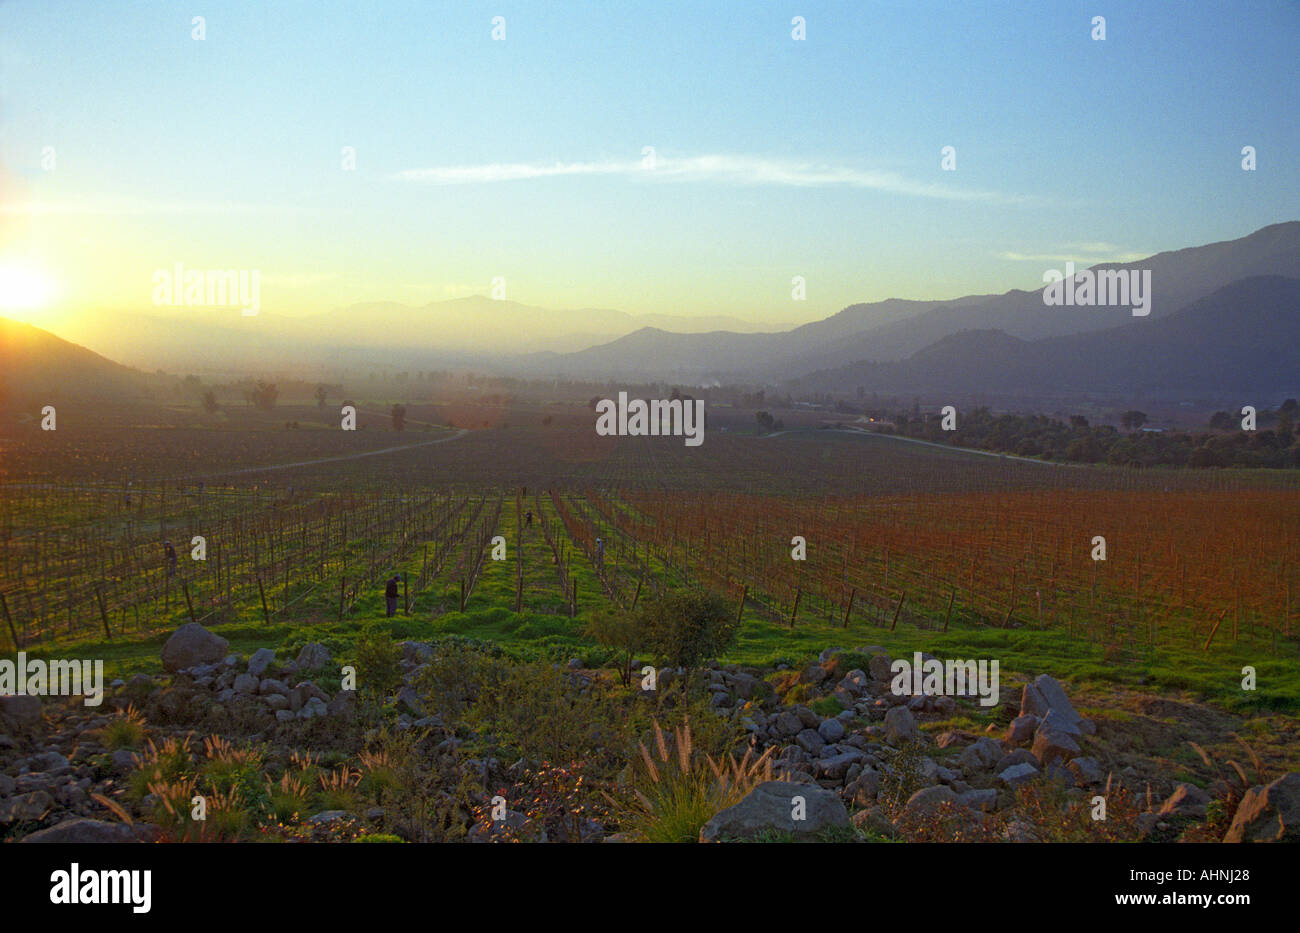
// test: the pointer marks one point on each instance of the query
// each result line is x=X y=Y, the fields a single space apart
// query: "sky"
x=127 y=146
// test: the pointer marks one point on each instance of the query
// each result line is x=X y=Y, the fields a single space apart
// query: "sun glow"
x=24 y=288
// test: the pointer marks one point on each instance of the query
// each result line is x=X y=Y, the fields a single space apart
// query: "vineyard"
x=1191 y=570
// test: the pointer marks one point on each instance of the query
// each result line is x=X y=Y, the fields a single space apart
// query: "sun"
x=24 y=287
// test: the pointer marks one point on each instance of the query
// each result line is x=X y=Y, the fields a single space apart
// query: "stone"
x=831 y=730
x=980 y=755
x=1017 y=774
x=1022 y=729
x=276 y=701
x=261 y=661
x=313 y=656
x=313 y=708
x=1052 y=746
x=879 y=668
x=284 y=715
x=1187 y=800
x=900 y=726
x=810 y=741
x=1017 y=756
x=984 y=800
x=25 y=807
x=246 y=684
x=192 y=644
x=770 y=807
x=1268 y=813
x=271 y=685
x=20 y=712
x=928 y=799
x=408 y=701
x=82 y=831
x=1086 y=771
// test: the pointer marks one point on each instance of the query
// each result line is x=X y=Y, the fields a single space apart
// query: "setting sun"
x=23 y=287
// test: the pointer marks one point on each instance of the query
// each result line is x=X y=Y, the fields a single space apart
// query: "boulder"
x=25 y=807
x=1086 y=771
x=1269 y=813
x=1017 y=774
x=246 y=683
x=82 y=831
x=831 y=730
x=772 y=806
x=261 y=661
x=928 y=799
x=810 y=741
x=190 y=645
x=1187 y=800
x=879 y=668
x=1022 y=729
x=313 y=657
x=981 y=755
x=1051 y=745
x=900 y=726
x=20 y=712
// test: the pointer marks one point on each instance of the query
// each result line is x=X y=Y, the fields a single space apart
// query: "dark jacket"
x=391 y=590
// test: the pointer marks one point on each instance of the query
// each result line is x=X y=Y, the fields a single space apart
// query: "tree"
x=1078 y=421
x=764 y=420
x=264 y=394
x=623 y=633
x=210 y=404
x=1221 y=421
x=322 y=393
x=398 y=414
x=1133 y=419
x=684 y=628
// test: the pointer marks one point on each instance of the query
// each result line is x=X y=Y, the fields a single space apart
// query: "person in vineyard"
x=170 y=553
x=600 y=552
x=528 y=519
x=390 y=595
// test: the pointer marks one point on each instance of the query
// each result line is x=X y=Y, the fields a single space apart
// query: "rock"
x=984 y=800
x=810 y=741
x=344 y=704
x=1269 y=813
x=873 y=820
x=284 y=715
x=20 y=712
x=879 y=668
x=865 y=787
x=831 y=730
x=123 y=761
x=261 y=660
x=1022 y=729
x=313 y=656
x=1017 y=774
x=900 y=726
x=246 y=684
x=981 y=755
x=772 y=806
x=1052 y=746
x=837 y=766
x=1086 y=771
x=788 y=724
x=1187 y=800
x=1018 y=756
x=408 y=701
x=950 y=739
x=1046 y=695
x=326 y=817
x=190 y=645
x=81 y=831
x=25 y=807
x=7 y=785
x=928 y=799
x=313 y=708
x=272 y=686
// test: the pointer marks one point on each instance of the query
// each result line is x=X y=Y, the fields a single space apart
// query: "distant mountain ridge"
x=882 y=332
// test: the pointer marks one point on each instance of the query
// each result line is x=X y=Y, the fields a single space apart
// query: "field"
x=514 y=525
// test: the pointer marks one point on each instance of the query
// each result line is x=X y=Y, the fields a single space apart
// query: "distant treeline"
x=1079 y=442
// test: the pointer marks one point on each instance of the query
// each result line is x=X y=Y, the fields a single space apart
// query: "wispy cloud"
x=1086 y=253
x=716 y=169
x=38 y=208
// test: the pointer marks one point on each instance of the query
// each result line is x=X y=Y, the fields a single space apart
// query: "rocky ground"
x=854 y=759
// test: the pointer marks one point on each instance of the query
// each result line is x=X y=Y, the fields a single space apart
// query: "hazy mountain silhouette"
x=35 y=364
x=893 y=330
x=1243 y=339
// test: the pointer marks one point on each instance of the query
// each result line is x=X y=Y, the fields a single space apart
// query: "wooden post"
x=190 y=604
x=1206 y=646
x=103 y=611
x=266 y=613
x=848 y=611
x=897 y=609
x=948 y=615
x=343 y=586
x=739 y=609
x=573 y=597
x=406 y=596
x=641 y=582
x=794 y=610
x=13 y=633
x=462 y=594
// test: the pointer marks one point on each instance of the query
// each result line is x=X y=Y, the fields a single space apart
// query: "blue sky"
x=774 y=157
